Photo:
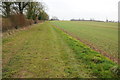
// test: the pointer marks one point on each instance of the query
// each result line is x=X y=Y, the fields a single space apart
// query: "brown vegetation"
x=15 y=21
x=20 y=14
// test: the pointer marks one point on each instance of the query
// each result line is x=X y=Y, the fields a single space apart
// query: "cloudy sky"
x=95 y=9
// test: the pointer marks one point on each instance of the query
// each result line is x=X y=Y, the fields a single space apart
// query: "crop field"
x=102 y=35
x=44 y=51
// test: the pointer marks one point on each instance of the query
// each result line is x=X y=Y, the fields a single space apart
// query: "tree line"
x=21 y=14
x=31 y=10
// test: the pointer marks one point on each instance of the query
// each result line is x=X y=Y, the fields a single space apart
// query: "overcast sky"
x=96 y=9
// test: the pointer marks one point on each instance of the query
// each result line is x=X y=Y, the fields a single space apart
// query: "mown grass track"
x=44 y=51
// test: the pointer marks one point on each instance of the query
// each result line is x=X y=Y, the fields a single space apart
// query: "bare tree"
x=6 y=8
x=20 y=6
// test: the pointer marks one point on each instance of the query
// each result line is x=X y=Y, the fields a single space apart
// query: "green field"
x=44 y=51
x=102 y=35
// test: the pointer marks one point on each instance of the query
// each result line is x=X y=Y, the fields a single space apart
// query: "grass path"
x=42 y=51
x=39 y=52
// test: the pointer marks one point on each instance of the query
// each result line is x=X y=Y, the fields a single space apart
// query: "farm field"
x=44 y=51
x=101 y=35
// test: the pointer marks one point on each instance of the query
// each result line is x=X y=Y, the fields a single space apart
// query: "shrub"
x=18 y=20
x=29 y=22
x=6 y=24
x=15 y=21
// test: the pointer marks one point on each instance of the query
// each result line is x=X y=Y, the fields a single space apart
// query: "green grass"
x=100 y=34
x=43 y=51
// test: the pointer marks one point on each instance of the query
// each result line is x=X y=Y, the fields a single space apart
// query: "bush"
x=29 y=22
x=18 y=20
x=6 y=24
x=15 y=21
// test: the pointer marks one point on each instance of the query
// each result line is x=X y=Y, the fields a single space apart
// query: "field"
x=103 y=36
x=44 y=51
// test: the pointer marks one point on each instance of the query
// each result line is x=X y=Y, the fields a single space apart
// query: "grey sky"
x=96 y=9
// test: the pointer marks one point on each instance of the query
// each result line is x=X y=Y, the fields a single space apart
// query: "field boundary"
x=12 y=31
x=89 y=44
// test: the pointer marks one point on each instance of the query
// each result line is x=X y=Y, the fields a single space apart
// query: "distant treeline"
x=54 y=18
x=90 y=20
x=19 y=14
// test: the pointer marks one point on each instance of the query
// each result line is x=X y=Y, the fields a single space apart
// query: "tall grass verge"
x=101 y=66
